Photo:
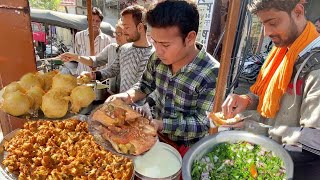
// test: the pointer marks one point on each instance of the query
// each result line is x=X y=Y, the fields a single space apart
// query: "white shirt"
x=82 y=46
x=107 y=56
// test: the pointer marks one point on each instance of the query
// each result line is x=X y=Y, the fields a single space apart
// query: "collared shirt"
x=82 y=46
x=130 y=65
x=313 y=44
x=182 y=98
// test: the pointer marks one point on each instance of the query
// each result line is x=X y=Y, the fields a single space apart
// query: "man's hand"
x=66 y=57
x=86 y=77
x=233 y=105
x=91 y=75
x=122 y=96
x=158 y=124
x=239 y=125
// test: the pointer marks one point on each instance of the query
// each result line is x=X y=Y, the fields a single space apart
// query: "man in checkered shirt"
x=181 y=73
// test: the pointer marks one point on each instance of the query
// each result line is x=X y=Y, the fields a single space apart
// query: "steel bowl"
x=206 y=144
x=101 y=90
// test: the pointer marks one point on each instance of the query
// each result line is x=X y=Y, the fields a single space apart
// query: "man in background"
x=107 y=56
x=317 y=24
x=82 y=42
x=133 y=56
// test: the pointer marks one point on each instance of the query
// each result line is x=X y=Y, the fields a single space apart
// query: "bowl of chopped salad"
x=236 y=155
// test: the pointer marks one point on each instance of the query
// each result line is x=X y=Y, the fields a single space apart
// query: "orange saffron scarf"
x=275 y=74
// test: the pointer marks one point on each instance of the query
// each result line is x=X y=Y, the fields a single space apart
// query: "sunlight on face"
x=130 y=28
x=317 y=24
x=169 y=45
x=96 y=22
x=120 y=37
x=279 y=26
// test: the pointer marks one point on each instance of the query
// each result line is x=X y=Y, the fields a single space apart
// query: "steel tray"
x=103 y=142
x=3 y=155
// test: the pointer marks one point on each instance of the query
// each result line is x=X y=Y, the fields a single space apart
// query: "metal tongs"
x=144 y=110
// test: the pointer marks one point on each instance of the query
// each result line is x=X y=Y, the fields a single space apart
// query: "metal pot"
x=206 y=144
x=162 y=161
x=101 y=91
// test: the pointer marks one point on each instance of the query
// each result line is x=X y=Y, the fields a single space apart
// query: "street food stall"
x=16 y=36
x=114 y=141
x=75 y=145
x=72 y=21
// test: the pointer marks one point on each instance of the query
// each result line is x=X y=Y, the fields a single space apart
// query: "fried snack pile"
x=36 y=94
x=17 y=103
x=81 y=96
x=50 y=92
x=62 y=150
x=55 y=103
x=13 y=87
x=64 y=81
x=46 y=78
x=30 y=80
x=83 y=79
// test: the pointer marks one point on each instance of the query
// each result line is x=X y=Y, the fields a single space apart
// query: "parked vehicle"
x=55 y=49
x=38 y=32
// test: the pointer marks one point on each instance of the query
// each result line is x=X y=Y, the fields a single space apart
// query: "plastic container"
x=162 y=161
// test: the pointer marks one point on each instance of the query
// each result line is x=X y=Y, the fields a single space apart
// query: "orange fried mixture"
x=62 y=150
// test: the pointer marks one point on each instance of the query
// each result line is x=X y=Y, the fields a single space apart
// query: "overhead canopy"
x=65 y=20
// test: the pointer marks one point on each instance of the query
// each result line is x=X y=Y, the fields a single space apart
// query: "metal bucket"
x=162 y=161
x=101 y=91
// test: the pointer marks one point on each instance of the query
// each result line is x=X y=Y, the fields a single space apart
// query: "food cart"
x=16 y=15
x=24 y=62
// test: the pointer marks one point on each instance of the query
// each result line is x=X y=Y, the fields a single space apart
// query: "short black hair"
x=183 y=14
x=97 y=11
x=281 y=5
x=318 y=19
x=138 y=14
